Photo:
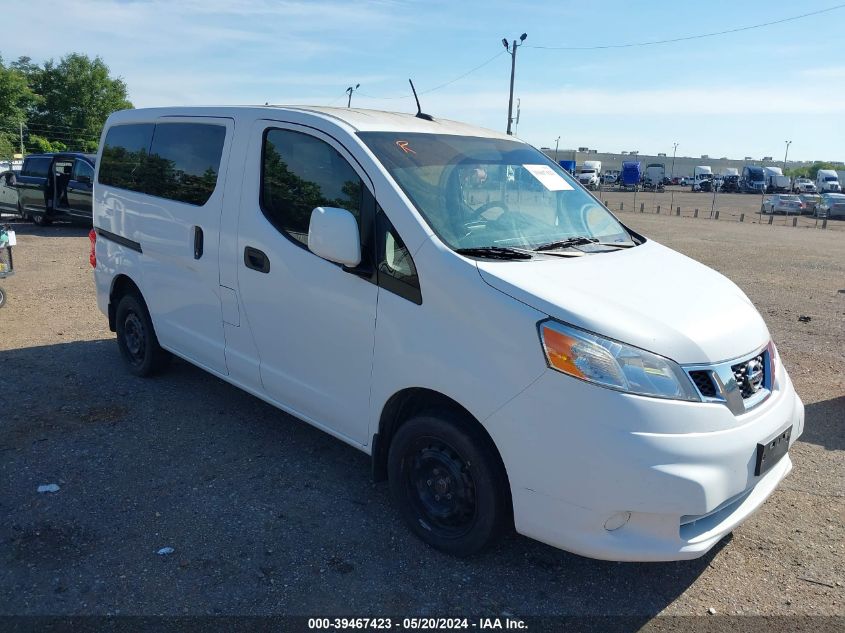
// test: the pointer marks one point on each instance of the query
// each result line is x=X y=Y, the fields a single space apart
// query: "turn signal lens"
x=609 y=363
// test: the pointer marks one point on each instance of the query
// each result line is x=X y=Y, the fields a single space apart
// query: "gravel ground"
x=267 y=515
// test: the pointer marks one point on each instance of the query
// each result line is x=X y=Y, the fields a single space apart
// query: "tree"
x=77 y=94
x=16 y=101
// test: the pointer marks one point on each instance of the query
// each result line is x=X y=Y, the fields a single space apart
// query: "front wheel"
x=41 y=219
x=137 y=338
x=448 y=483
x=2 y=297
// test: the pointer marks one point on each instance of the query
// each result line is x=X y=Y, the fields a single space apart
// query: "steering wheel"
x=491 y=205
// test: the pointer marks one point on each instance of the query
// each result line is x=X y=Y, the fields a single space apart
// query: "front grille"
x=704 y=383
x=740 y=371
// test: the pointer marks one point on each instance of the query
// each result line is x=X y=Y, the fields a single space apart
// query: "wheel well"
x=121 y=286
x=401 y=407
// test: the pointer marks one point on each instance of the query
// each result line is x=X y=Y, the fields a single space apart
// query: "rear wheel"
x=448 y=483
x=41 y=219
x=137 y=338
x=2 y=297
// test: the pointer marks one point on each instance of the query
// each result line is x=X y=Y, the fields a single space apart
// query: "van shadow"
x=56 y=229
x=279 y=499
x=823 y=424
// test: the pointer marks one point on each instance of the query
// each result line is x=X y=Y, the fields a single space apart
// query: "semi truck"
x=730 y=180
x=654 y=175
x=776 y=182
x=827 y=181
x=631 y=175
x=753 y=179
x=700 y=174
x=590 y=174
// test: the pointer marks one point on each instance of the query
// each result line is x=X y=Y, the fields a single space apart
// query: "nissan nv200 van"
x=450 y=301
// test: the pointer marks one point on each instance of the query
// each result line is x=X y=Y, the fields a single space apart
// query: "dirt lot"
x=267 y=515
x=731 y=206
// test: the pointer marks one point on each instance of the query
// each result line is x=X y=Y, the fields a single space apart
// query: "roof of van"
x=89 y=157
x=359 y=119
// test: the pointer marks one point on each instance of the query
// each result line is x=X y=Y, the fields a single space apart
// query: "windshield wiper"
x=581 y=241
x=494 y=252
x=569 y=241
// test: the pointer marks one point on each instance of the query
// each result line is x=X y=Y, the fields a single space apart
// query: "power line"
x=690 y=37
x=443 y=85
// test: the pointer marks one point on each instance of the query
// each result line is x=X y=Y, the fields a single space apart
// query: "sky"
x=736 y=95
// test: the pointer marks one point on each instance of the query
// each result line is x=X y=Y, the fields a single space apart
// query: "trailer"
x=568 y=165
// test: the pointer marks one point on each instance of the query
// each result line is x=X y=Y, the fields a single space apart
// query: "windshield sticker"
x=548 y=177
x=403 y=145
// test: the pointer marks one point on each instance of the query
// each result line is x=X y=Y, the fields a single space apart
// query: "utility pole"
x=788 y=143
x=512 y=50
x=672 y=179
x=557 y=140
x=349 y=92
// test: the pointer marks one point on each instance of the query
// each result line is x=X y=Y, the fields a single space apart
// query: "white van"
x=506 y=350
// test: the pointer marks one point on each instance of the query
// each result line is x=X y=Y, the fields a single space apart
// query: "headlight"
x=612 y=364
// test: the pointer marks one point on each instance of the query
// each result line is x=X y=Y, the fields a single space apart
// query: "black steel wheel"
x=448 y=482
x=137 y=339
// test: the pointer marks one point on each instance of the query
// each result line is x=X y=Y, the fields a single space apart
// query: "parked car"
x=56 y=186
x=9 y=202
x=831 y=205
x=810 y=201
x=803 y=185
x=782 y=203
x=544 y=367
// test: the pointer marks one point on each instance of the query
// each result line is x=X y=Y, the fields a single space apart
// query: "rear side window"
x=37 y=167
x=298 y=174
x=184 y=161
x=124 y=154
x=177 y=161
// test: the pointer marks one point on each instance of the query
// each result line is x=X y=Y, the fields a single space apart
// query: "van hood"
x=648 y=296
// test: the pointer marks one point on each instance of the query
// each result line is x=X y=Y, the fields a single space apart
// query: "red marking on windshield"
x=403 y=145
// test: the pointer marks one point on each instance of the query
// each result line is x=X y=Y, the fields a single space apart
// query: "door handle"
x=256 y=260
x=198 y=242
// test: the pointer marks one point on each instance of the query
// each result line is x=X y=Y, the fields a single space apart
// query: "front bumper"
x=621 y=477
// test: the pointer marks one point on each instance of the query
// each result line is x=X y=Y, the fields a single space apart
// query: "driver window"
x=299 y=173
x=82 y=171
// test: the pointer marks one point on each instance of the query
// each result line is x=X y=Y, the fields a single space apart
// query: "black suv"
x=56 y=186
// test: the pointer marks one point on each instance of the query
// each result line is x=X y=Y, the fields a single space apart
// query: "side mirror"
x=84 y=179
x=333 y=235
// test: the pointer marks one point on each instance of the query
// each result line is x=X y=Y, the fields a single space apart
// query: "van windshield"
x=479 y=192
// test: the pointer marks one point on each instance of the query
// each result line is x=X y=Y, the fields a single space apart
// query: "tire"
x=438 y=455
x=3 y=299
x=137 y=339
x=41 y=219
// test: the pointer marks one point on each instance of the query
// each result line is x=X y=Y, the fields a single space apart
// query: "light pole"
x=512 y=50
x=349 y=92
x=557 y=140
x=786 y=153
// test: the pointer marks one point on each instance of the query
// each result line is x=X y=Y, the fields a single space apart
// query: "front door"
x=79 y=189
x=313 y=321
